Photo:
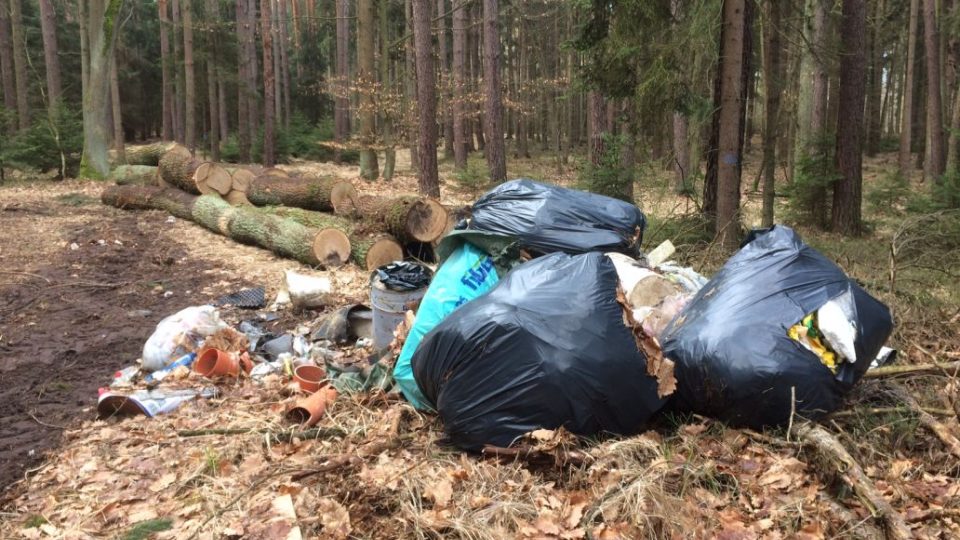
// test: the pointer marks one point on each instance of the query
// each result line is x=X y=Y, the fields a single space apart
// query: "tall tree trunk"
x=48 y=24
x=445 y=80
x=166 y=71
x=386 y=83
x=771 y=105
x=476 y=44
x=179 y=122
x=874 y=80
x=341 y=118
x=730 y=133
x=99 y=31
x=277 y=69
x=213 y=17
x=493 y=112
x=847 y=189
x=222 y=105
x=459 y=85
x=367 y=83
x=906 y=115
x=190 y=79
x=933 y=168
x=269 y=97
x=285 y=61
x=410 y=90
x=597 y=119
x=253 y=100
x=117 y=113
x=20 y=64
x=6 y=61
x=426 y=99
x=243 y=94
x=628 y=155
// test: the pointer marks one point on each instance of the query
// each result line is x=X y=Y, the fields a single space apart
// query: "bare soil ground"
x=82 y=286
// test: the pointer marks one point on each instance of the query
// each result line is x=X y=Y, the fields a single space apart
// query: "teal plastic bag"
x=466 y=274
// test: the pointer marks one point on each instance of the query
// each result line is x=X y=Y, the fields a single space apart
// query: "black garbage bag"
x=547 y=347
x=734 y=358
x=545 y=218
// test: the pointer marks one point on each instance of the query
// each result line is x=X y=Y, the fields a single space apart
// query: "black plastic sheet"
x=404 y=276
x=545 y=218
x=734 y=359
x=547 y=347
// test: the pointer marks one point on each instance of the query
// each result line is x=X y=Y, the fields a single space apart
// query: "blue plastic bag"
x=467 y=274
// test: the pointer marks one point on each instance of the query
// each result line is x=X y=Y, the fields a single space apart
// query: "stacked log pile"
x=319 y=221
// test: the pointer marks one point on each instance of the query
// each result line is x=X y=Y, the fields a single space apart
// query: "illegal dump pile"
x=557 y=359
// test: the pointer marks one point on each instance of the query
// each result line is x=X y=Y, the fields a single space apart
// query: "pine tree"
x=99 y=36
x=426 y=99
x=493 y=111
x=269 y=89
x=48 y=23
x=847 y=190
x=367 y=82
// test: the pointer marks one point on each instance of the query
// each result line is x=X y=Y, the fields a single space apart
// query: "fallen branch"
x=888 y=410
x=275 y=436
x=344 y=460
x=852 y=474
x=559 y=456
x=938 y=428
x=891 y=371
x=934 y=513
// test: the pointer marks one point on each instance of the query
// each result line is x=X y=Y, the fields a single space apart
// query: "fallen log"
x=935 y=426
x=274 y=187
x=148 y=154
x=847 y=468
x=131 y=197
x=918 y=369
x=140 y=175
x=408 y=218
x=178 y=168
x=369 y=251
x=247 y=225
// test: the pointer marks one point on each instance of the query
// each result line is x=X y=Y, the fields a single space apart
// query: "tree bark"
x=117 y=115
x=148 y=154
x=386 y=83
x=407 y=218
x=597 y=119
x=268 y=83
x=243 y=94
x=874 y=80
x=847 y=189
x=99 y=26
x=213 y=16
x=179 y=121
x=285 y=62
x=20 y=64
x=906 y=115
x=367 y=84
x=410 y=90
x=493 y=111
x=771 y=105
x=730 y=128
x=445 y=80
x=459 y=86
x=222 y=107
x=48 y=24
x=6 y=61
x=190 y=80
x=341 y=122
x=166 y=72
x=250 y=46
x=324 y=193
x=933 y=166
x=141 y=175
x=426 y=99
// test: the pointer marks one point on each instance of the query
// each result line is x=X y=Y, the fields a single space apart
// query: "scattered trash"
x=74 y=246
x=309 y=378
x=547 y=218
x=246 y=298
x=179 y=334
x=465 y=275
x=354 y=379
x=125 y=377
x=216 y=363
x=345 y=325
x=734 y=358
x=546 y=347
x=661 y=253
x=148 y=403
x=157 y=376
x=403 y=276
x=307 y=292
x=278 y=345
x=309 y=410
x=253 y=332
x=389 y=308
x=263 y=369
x=884 y=357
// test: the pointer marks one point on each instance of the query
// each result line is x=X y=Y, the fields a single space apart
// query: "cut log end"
x=214 y=177
x=241 y=179
x=343 y=197
x=331 y=247
x=237 y=198
x=384 y=250
x=427 y=220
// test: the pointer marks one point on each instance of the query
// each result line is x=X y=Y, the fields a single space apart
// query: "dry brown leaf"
x=658 y=366
x=335 y=519
x=163 y=482
x=784 y=473
x=283 y=507
x=440 y=492
x=574 y=511
x=547 y=525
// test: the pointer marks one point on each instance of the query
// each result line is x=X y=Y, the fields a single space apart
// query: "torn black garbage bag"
x=547 y=347
x=735 y=359
x=548 y=218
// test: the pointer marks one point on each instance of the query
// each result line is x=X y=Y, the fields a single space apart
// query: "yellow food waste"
x=806 y=334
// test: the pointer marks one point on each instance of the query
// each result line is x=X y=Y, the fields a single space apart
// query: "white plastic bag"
x=180 y=334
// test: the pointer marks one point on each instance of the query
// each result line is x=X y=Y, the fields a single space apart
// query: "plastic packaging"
x=404 y=276
x=547 y=218
x=466 y=274
x=180 y=334
x=547 y=347
x=734 y=358
x=157 y=376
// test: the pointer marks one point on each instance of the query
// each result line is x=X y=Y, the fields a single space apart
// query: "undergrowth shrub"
x=608 y=177
x=39 y=146
x=809 y=201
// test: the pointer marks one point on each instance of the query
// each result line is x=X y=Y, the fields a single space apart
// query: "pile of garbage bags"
x=543 y=313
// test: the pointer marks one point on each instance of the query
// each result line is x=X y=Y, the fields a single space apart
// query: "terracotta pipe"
x=310 y=409
x=217 y=363
x=309 y=378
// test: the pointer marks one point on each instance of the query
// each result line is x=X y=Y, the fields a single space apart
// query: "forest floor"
x=83 y=285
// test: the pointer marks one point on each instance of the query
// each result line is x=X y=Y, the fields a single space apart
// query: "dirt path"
x=81 y=287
